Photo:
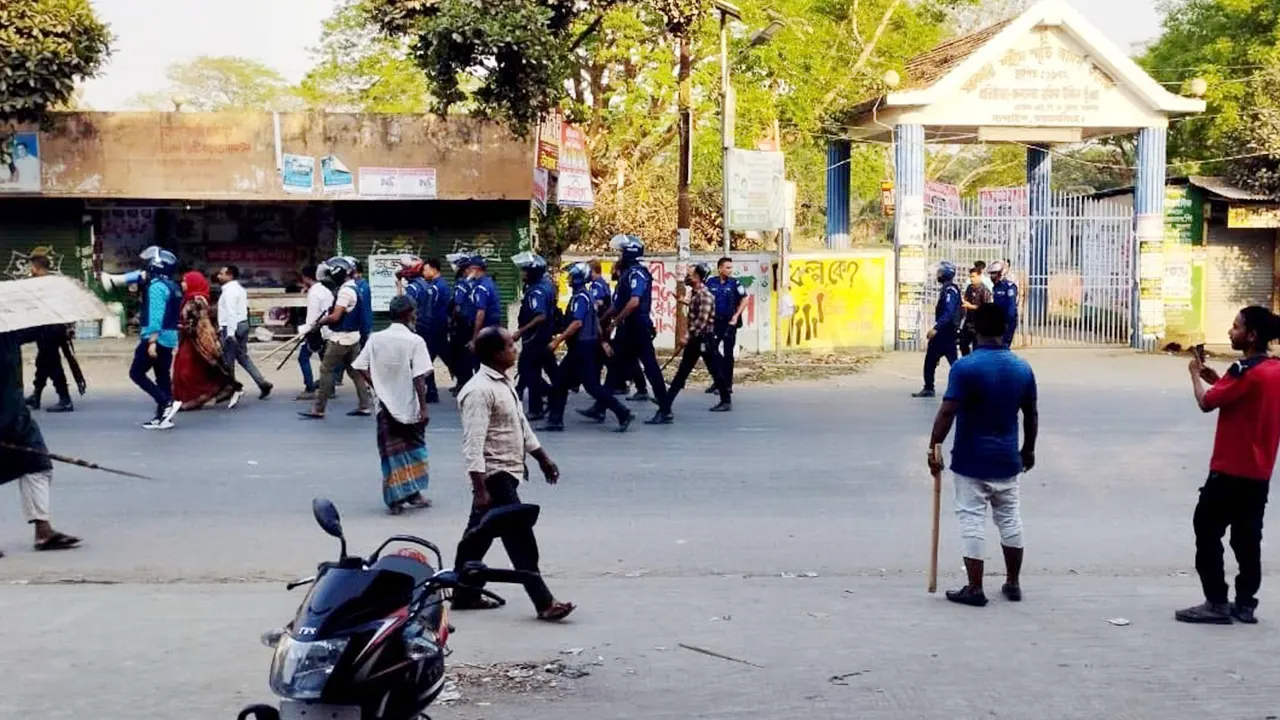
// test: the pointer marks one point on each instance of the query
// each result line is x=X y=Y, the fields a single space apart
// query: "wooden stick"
x=288 y=355
x=937 y=512
x=291 y=342
x=71 y=461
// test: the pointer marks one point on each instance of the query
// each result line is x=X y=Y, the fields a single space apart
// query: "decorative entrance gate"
x=1074 y=267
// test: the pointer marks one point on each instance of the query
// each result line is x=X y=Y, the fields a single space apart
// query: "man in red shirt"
x=1244 y=455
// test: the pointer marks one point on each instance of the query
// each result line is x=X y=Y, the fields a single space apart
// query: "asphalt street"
x=791 y=533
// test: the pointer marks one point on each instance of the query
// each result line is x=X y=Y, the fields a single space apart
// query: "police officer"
x=579 y=366
x=536 y=319
x=486 y=306
x=630 y=315
x=622 y=369
x=945 y=331
x=1005 y=295
x=461 y=326
x=426 y=298
x=731 y=302
x=161 y=307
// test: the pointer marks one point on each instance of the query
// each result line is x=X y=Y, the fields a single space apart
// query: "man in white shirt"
x=396 y=364
x=343 y=346
x=319 y=301
x=233 y=326
x=496 y=436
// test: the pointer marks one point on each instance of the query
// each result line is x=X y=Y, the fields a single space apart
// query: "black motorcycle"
x=370 y=638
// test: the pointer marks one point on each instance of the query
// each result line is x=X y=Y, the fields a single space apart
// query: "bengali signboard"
x=1250 y=217
x=408 y=183
x=1003 y=202
x=757 y=190
x=549 y=133
x=1183 y=232
x=382 y=280
x=573 y=188
x=942 y=199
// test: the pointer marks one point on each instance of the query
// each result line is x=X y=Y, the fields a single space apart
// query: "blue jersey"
x=462 y=300
x=991 y=386
x=440 y=310
x=946 y=314
x=582 y=308
x=484 y=296
x=638 y=283
x=728 y=294
x=539 y=299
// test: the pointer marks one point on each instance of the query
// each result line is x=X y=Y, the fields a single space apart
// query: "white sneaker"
x=160 y=424
x=171 y=411
x=152 y=424
x=235 y=399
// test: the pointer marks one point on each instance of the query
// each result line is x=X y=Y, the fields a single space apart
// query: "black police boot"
x=624 y=421
x=925 y=393
x=591 y=414
x=711 y=390
x=638 y=396
x=64 y=405
x=722 y=407
x=661 y=418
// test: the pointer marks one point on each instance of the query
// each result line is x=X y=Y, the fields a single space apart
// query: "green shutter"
x=29 y=226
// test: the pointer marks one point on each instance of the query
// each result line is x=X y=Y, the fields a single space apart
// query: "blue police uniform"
x=1005 y=295
x=728 y=294
x=461 y=328
x=579 y=365
x=484 y=296
x=426 y=296
x=600 y=293
x=535 y=355
x=946 y=328
x=364 y=309
x=618 y=374
x=634 y=336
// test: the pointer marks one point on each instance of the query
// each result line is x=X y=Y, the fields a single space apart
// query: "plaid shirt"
x=702 y=308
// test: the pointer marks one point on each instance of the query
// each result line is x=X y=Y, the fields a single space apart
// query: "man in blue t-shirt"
x=985 y=393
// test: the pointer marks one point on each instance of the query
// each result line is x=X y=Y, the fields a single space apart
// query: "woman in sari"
x=199 y=375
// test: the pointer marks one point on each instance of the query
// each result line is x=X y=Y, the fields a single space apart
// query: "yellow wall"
x=841 y=300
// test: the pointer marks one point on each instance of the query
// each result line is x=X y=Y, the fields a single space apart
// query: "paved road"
x=656 y=533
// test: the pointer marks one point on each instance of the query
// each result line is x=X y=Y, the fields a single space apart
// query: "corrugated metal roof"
x=1219 y=186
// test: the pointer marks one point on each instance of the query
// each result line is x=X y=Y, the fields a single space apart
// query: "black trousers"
x=579 y=368
x=460 y=367
x=726 y=342
x=49 y=363
x=943 y=345
x=535 y=360
x=622 y=370
x=634 y=345
x=968 y=340
x=705 y=348
x=521 y=545
x=1237 y=503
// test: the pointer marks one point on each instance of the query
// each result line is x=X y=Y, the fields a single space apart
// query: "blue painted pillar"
x=909 y=236
x=838 y=154
x=1148 y=225
x=1040 y=201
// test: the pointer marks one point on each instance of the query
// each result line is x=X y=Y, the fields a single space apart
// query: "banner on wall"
x=1004 y=202
x=382 y=280
x=404 y=183
x=23 y=172
x=299 y=174
x=942 y=199
x=574 y=185
x=757 y=191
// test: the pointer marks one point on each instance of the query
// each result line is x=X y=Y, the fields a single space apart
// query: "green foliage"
x=361 y=70
x=46 y=46
x=1260 y=137
x=223 y=83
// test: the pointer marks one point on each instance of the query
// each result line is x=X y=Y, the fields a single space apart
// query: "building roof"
x=1211 y=184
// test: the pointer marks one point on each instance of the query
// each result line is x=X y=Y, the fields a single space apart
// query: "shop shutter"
x=33 y=225
x=1240 y=271
x=436 y=229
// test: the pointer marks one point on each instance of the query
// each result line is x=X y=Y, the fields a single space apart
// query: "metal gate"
x=1074 y=267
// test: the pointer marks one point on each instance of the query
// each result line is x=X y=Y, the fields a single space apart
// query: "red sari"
x=199 y=375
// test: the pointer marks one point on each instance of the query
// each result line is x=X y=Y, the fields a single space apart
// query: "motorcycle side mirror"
x=327 y=518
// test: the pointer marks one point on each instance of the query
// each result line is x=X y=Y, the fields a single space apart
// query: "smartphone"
x=1199 y=351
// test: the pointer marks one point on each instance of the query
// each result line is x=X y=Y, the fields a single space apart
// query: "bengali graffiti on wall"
x=839 y=302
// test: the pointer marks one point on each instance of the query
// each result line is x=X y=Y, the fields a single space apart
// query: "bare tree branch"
x=865 y=55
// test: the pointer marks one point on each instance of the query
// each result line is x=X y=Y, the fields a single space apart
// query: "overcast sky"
x=151 y=34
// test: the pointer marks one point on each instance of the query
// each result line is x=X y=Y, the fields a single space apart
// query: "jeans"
x=972 y=498
x=1239 y=504
x=943 y=345
x=725 y=345
x=579 y=368
x=335 y=357
x=235 y=349
x=701 y=347
x=162 y=389
x=521 y=545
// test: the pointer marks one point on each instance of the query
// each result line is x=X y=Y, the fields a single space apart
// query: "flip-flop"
x=360 y=413
x=57 y=541
x=420 y=504
x=557 y=612
x=310 y=415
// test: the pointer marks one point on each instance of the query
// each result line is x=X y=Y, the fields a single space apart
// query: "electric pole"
x=684 y=219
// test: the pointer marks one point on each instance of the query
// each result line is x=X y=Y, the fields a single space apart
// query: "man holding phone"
x=1245 y=445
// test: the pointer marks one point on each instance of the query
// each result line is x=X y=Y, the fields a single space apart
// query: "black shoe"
x=1012 y=593
x=661 y=418
x=1243 y=614
x=638 y=397
x=968 y=596
x=926 y=393
x=552 y=427
x=591 y=414
x=1206 y=613
x=711 y=390
x=536 y=416
x=624 y=422
x=722 y=407
x=63 y=406
x=33 y=402
x=264 y=390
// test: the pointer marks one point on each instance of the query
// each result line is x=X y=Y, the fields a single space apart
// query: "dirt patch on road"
x=548 y=680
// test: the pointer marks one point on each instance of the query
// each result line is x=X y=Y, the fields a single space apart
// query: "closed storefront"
x=1239 y=271
x=36 y=226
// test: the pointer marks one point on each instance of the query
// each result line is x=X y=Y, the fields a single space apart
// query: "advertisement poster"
x=541 y=181
x=260 y=267
x=942 y=199
x=299 y=173
x=757 y=190
x=574 y=189
x=335 y=177
x=1003 y=202
x=407 y=183
x=382 y=280
x=549 y=143
x=23 y=171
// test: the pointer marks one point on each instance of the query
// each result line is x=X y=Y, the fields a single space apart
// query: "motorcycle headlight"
x=299 y=669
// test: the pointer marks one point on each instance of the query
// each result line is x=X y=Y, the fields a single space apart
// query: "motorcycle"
x=370 y=638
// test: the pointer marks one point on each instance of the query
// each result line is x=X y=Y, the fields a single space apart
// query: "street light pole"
x=727 y=111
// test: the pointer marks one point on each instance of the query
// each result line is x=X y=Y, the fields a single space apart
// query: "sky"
x=152 y=34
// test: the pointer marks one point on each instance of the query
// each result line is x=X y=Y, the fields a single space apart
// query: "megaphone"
x=111 y=282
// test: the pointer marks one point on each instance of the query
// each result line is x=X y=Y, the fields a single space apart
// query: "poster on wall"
x=541 y=181
x=406 y=183
x=1003 y=202
x=260 y=267
x=22 y=174
x=574 y=187
x=299 y=174
x=335 y=177
x=757 y=190
x=942 y=199
x=382 y=280
x=549 y=143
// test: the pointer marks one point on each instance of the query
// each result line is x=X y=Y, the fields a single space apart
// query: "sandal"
x=360 y=413
x=556 y=612
x=57 y=541
x=479 y=603
x=418 y=502
x=311 y=415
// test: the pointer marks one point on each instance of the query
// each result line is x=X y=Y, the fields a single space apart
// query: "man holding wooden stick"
x=985 y=393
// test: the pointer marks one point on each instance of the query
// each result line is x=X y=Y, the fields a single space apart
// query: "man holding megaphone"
x=160 y=312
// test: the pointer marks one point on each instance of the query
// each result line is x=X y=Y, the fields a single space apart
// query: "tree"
x=214 y=84
x=1259 y=140
x=361 y=70
x=46 y=47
